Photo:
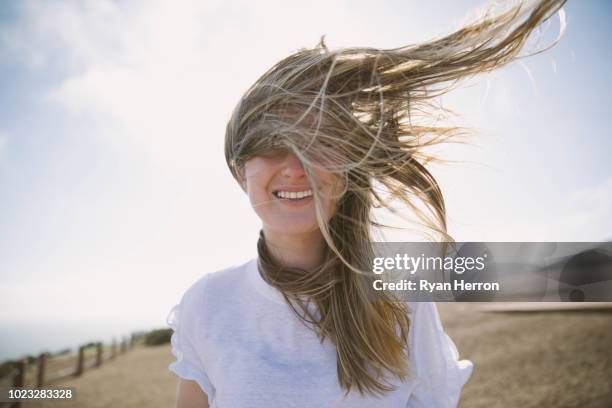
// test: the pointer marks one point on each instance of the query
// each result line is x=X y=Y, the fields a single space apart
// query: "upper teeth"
x=294 y=194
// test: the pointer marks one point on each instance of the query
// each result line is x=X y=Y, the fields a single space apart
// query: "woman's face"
x=281 y=194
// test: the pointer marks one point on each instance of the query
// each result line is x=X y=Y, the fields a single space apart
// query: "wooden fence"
x=39 y=374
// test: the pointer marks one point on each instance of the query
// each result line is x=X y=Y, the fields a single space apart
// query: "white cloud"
x=600 y=194
x=3 y=146
x=68 y=36
x=591 y=209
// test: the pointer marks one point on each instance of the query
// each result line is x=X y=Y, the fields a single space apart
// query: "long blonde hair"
x=355 y=111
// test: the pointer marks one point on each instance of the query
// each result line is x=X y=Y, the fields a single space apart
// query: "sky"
x=114 y=192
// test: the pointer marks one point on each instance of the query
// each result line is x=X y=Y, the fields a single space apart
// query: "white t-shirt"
x=237 y=338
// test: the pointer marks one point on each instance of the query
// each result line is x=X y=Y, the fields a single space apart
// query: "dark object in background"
x=585 y=273
x=158 y=337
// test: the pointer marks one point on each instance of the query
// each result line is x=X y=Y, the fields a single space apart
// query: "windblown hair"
x=355 y=112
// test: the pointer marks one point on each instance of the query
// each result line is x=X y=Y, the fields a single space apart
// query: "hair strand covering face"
x=355 y=112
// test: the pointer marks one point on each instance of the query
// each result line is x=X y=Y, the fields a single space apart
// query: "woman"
x=316 y=143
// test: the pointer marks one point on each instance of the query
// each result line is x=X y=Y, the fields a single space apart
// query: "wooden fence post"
x=114 y=349
x=80 y=361
x=98 y=354
x=19 y=378
x=42 y=363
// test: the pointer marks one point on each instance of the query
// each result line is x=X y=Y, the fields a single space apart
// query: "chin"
x=293 y=227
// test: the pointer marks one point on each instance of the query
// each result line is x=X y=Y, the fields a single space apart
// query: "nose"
x=292 y=167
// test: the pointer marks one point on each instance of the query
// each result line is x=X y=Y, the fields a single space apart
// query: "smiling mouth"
x=293 y=195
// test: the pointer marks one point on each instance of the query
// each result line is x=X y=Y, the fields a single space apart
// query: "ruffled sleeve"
x=434 y=358
x=183 y=319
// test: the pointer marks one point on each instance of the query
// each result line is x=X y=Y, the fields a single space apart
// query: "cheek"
x=333 y=187
x=257 y=177
x=256 y=190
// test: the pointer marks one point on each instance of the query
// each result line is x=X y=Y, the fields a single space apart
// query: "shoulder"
x=424 y=315
x=428 y=339
x=215 y=286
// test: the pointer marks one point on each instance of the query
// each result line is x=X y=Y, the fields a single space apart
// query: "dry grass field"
x=556 y=359
x=527 y=359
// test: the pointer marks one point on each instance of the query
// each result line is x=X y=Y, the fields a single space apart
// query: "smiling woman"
x=281 y=194
x=309 y=142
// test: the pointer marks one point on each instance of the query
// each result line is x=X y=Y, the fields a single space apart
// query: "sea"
x=18 y=340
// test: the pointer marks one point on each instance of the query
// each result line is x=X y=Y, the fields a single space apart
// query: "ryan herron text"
x=424 y=285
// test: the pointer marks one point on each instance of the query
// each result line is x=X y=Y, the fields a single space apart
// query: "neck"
x=305 y=251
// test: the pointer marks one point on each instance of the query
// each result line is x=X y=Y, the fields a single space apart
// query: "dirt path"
x=138 y=379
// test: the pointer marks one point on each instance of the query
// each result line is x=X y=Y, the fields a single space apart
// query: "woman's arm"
x=190 y=395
